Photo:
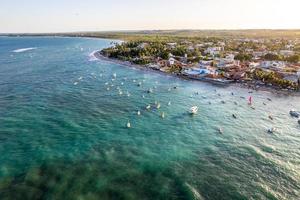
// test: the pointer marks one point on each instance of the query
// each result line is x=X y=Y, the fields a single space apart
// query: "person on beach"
x=298 y=83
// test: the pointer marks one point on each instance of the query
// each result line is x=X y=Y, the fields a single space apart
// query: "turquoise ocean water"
x=63 y=134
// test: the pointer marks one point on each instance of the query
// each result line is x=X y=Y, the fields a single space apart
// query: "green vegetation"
x=243 y=57
x=273 y=78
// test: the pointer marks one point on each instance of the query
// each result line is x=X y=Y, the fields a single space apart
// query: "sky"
x=40 y=16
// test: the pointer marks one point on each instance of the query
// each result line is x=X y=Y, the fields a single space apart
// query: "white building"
x=213 y=50
x=171 y=61
x=204 y=64
x=286 y=52
x=172 y=45
x=143 y=45
x=254 y=64
x=272 y=64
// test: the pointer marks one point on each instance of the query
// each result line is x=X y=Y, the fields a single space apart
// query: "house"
x=205 y=63
x=257 y=54
x=213 y=51
x=286 y=52
x=171 y=61
x=199 y=45
x=226 y=62
x=190 y=48
x=154 y=66
x=272 y=64
x=254 y=64
x=143 y=45
x=172 y=45
x=290 y=76
x=222 y=44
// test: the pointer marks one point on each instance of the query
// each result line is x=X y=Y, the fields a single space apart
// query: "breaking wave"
x=24 y=50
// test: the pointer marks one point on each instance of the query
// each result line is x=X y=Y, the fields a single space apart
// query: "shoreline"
x=245 y=85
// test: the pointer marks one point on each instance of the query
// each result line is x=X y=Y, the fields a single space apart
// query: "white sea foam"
x=23 y=50
x=92 y=56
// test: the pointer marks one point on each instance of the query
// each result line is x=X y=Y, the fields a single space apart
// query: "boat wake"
x=24 y=50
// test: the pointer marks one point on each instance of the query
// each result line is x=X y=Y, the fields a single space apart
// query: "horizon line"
x=142 y=30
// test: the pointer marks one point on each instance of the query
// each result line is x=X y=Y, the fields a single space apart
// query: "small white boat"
x=128 y=125
x=138 y=113
x=220 y=130
x=148 y=107
x=122 y=83
x=194 y=110
x=120 y=92
x=108 y=89
x=158 y=106
x=169 y=103
x=76 y=83
x=163 y=115
x=115 y=75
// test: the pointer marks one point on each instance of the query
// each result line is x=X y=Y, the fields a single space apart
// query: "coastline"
x=246 y=85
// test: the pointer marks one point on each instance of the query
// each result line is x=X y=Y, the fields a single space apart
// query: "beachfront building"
x=199 y=72
x=272 y=64
x=205 y=63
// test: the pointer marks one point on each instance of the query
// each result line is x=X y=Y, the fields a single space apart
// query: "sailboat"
x=158 y=106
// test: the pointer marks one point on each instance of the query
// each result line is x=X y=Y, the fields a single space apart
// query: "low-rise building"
x=272 y=64
x=213 y=51
x=172 y=45
x=286 y=52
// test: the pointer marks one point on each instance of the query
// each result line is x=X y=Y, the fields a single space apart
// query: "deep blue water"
x=63 y=134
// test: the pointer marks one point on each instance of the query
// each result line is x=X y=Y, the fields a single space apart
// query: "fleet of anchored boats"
x=192 y=111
